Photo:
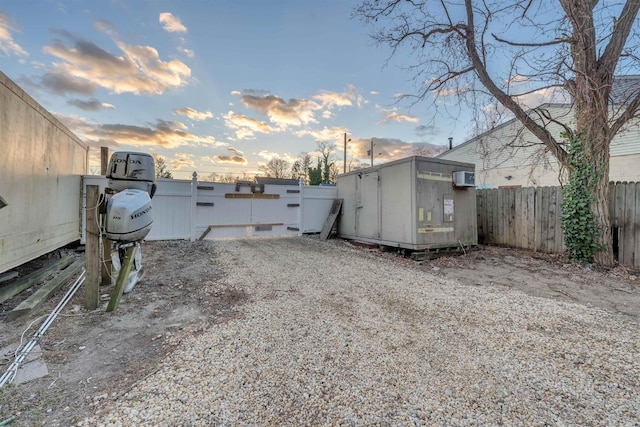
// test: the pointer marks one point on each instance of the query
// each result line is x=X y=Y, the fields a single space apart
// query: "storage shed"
x=415 y=203
x=40 y=179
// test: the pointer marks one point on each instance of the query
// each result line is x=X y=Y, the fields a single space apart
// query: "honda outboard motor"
x=129 y=216
x=129 y=212
x=131 y=170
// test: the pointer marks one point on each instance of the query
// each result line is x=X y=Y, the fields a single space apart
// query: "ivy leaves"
x=581 y=230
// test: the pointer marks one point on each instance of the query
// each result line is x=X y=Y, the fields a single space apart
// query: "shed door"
x=367 y=210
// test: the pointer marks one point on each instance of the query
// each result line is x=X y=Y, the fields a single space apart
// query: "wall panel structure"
x=41 y=165
x=191 y=210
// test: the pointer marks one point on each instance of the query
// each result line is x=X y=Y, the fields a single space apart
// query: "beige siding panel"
x=530 y=164
x=627 y=141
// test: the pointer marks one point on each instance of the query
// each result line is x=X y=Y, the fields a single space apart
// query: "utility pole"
x=344 y=170
x=371 y=152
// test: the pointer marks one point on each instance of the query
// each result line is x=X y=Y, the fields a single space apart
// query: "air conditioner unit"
x=464 y=179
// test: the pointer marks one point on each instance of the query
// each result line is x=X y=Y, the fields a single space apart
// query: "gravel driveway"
x=334 y=336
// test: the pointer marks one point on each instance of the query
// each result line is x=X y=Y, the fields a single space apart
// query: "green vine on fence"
x=581 y=230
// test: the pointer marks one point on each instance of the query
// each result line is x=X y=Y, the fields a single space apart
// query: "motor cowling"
x=129 y=215
x=128 y=169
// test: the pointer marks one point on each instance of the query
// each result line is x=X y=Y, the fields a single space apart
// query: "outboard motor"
x=129 y=212
x=132 y=170
x=129 y=216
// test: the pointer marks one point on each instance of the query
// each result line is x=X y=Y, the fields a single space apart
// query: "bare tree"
x=300 y=168
x=162 y=169
x=228 y=177
x=326 y=150
x=276 y=168
x=576 y=46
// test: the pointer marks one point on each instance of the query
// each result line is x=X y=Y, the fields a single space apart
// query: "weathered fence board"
x=531 y=217
x=636 y=228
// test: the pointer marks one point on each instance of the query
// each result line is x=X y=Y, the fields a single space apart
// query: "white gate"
x=188 y=209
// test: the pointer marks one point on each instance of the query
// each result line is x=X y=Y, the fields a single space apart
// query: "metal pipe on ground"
x=11 y=372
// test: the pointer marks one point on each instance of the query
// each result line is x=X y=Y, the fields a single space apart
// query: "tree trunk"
x=593 y=126
x=600 y=209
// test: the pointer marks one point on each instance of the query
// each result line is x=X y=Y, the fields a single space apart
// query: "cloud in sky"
x=335 y=99
x=387 y=149
x=136 y=69
x=295 y=112
x=62 y=83
x=193 y=114
x=325 y=134
x=90 y=105
x=7 y=45
x=166 y=134
x=237 y=157
x=394 y=116
x=171 y=23
x=182 y=160
x=231 y=159
x=426 y=130
x=245 y=127
x=190 y=53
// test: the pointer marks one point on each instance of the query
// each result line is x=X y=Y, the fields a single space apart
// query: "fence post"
x=105 y=265
x=194 y=201
x=301 y=206
x=92 y=249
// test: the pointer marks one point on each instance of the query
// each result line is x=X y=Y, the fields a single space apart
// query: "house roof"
x=500 y=126
x=275 y=181
x=624 y=88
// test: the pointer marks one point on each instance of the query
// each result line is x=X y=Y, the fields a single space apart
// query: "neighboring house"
x=511 y=156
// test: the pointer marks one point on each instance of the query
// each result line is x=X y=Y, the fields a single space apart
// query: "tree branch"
x=629 y=112
x=510 y=43
x=484 y=77
x=621 y=29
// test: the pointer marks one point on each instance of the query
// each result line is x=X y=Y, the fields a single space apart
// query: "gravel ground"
x=335 y=336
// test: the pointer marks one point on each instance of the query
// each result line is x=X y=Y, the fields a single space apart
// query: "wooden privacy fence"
x=530 y=218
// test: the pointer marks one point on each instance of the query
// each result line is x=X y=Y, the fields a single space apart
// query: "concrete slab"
x=31 y=368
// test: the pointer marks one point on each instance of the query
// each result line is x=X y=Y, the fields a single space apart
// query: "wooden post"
x=92 y=249
x=106 y=243
x=125 y=268
x=104 y=160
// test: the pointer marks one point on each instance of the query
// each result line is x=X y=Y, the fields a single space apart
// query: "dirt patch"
x=94 y=356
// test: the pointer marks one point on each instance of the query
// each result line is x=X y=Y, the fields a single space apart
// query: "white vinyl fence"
x=192 y=210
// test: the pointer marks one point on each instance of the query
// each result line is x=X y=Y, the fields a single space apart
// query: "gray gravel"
x=336 y=336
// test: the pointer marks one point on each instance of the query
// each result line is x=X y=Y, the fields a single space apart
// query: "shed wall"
x=403 y=203
x=40 y=179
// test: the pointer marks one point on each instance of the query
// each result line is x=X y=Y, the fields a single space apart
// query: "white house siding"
x=625 y=168
x=498 y=164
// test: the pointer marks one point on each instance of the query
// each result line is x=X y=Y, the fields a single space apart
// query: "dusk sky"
x=218 y=86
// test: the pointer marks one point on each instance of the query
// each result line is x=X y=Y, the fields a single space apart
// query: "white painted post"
x=194 y=205
x=301 y=206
